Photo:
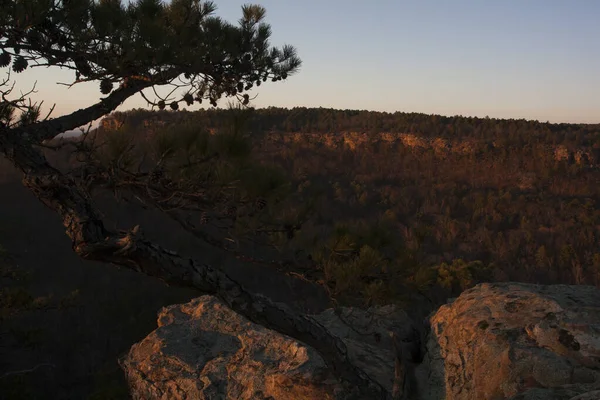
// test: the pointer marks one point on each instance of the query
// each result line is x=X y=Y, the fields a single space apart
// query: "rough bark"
x=92 y=241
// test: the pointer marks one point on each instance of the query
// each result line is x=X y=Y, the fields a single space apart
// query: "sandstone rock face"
x=203 y=350
x=495 y=341
x=516 y=341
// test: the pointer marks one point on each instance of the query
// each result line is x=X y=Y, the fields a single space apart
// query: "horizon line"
x=487 y=117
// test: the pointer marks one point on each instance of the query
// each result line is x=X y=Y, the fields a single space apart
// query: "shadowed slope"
x=113 y=307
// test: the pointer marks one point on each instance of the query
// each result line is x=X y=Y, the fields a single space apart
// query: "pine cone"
x=20 y=64
x=106 y=86
x=5 y=59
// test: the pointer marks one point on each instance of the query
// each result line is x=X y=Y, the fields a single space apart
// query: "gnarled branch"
x=92 y=241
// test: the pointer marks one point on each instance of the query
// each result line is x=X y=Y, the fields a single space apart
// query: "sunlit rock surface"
x=495 y=341
x=516 y=341
x=204 y=350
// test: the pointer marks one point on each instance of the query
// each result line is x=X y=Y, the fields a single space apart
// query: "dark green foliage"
x=232 y=145
x=264 y=181
x=460 y=275
x=215 y=167
x=16 y=297
x=7 y=113
x=117 y=148
x=30 y=115
x=145 y=40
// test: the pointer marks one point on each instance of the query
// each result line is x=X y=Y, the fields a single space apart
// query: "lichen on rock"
x=539 y=342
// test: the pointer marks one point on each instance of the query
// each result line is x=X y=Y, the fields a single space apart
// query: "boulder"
x=516 y=341
x=204 y=350
x=495 y=341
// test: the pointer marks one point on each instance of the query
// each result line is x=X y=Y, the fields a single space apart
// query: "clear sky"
x=534 y=59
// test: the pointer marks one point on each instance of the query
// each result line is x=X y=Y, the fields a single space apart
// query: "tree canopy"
x=143 y=44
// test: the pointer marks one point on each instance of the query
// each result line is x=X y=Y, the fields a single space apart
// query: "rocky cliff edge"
x=495 y=341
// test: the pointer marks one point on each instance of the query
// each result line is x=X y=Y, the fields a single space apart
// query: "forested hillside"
x=327 y=120
x=436 y=203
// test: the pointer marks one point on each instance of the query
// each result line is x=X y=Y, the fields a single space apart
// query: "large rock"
x=516 y=341
x=495 y=341
x=204 y=350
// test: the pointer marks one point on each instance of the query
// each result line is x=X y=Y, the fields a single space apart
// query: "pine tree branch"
x=26 y=371
x=48 y=129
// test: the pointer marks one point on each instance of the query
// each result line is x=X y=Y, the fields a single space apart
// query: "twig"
x=25 y=371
